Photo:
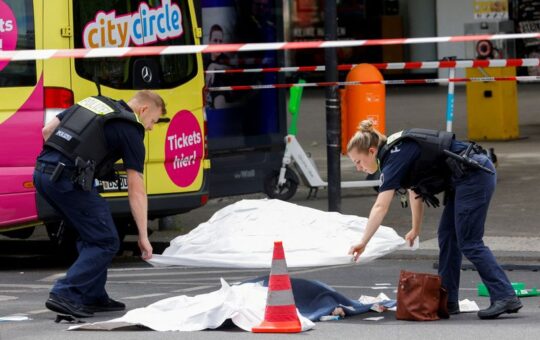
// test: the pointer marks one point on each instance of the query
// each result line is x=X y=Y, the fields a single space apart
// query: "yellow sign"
x=491 y=9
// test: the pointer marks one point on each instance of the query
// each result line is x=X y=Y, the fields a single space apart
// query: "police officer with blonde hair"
x=428 y=162
x=82 y=143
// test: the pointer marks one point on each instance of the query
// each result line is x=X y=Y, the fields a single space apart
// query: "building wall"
x=451 y=19
x=420 y=22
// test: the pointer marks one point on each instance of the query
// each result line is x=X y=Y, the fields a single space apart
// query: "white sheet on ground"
x=244 y=304
x=242 y=235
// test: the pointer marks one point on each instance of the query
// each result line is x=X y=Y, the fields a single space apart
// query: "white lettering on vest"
x=63 y=135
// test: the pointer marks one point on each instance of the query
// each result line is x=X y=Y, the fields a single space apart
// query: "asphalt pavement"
x=22 y=293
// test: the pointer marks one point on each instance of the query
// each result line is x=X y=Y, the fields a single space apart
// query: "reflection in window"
x=21 y=73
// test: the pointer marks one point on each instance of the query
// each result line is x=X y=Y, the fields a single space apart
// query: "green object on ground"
x=519 y=288
x=295 y=97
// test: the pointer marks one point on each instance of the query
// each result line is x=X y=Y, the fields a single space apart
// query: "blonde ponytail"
x=366 y=137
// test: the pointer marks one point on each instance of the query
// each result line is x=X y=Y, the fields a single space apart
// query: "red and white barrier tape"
x=384 y=82
x=528 y=62
x=188 y=49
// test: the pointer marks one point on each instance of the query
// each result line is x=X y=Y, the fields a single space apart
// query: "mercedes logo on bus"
x=146 y=74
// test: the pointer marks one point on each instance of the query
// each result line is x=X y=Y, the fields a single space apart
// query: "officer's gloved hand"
x=431 y=200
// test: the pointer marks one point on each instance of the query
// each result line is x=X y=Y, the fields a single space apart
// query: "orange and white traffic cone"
x=280 y=314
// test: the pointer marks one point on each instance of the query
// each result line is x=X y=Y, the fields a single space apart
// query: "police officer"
x=81 y=144
x=427 y=162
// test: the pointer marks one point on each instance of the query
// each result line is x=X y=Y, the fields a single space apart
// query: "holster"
x=456 y=167
x=461 y=164
x=85 y=173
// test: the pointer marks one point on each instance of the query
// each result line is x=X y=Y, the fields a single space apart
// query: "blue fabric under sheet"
x=315 y=299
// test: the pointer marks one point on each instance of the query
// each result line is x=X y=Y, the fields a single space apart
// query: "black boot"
x=109 y=305
x=507 y=305
x=453 y=308
x=62 y=305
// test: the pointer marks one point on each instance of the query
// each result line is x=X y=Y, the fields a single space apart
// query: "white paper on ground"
x=367 y=300
x=377 y=307
x=374 y=318
x=244 y=304
x=14 y=318
x=242 y=235
x=468 y=306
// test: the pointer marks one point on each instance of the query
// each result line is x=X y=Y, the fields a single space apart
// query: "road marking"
x=114 y=273
x=28 y=286
x=170 y=283
x=360 y=287
x=378 y=288
x=7 y=298
x=497 y=243
x=52 y=278
x=38 y=311
x=210 y=271
x=190 y=279
x=185 y=290
x=319 y=269
x=224 y=270
x=159 y=274
x=12 y=291
x=136 y=297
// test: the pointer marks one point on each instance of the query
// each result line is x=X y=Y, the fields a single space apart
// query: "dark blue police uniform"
x=88 y=213
x=461 y=228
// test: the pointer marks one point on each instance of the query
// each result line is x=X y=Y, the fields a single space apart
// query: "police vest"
x=429 y=174
x=81 y=133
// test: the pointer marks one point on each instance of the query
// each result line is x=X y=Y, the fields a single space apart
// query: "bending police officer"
x=419 y=160
x=82 y=143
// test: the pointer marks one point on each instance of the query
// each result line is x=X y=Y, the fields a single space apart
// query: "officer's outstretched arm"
x=417 y=212
x=377 y=213
x=138 y=203
x=376 y=216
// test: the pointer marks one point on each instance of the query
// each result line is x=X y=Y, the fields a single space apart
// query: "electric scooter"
x=283 y=183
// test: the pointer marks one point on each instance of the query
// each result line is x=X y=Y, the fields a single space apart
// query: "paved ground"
x=23 y=292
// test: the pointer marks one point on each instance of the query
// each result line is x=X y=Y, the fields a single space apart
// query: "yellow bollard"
x=492 y=109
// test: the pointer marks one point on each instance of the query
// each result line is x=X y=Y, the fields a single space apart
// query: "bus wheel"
x=64 y=240
x=284 y=192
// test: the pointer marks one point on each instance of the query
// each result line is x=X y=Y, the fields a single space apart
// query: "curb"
x=529 y=257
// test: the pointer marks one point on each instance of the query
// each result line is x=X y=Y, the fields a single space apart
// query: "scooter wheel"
x=284 y=192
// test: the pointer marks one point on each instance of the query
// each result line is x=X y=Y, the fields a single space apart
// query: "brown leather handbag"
x=421 y=297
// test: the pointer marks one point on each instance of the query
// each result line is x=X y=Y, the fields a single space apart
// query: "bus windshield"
x=121 y=23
